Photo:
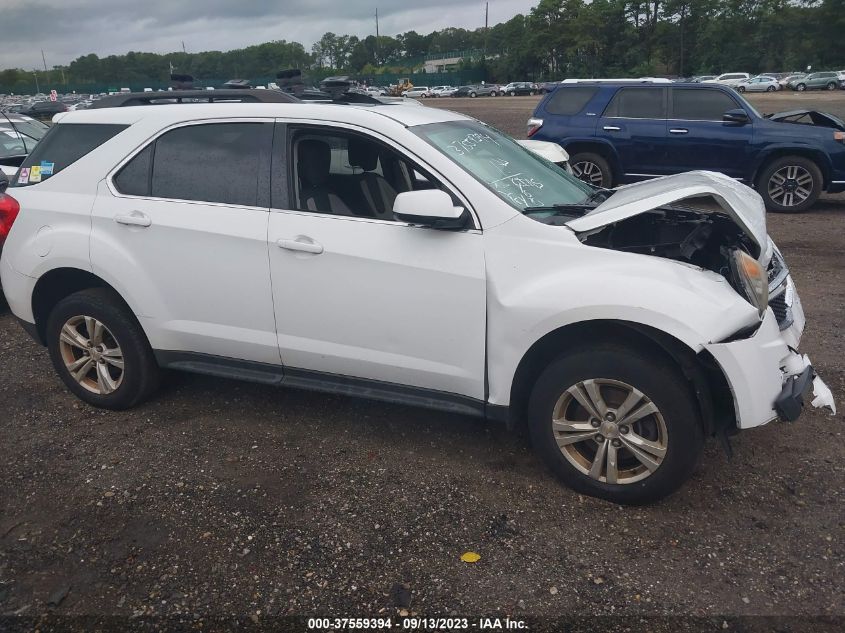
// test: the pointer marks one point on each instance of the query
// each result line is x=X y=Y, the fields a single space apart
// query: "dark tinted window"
x=63 y=145
x=569 y=101
x=220 y=162
x=700 y=105
x=637 y=103
x=134 y=178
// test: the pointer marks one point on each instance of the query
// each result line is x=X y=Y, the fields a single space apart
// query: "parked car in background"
x=19 y=135
x=478 y=90
x=552 y=152
x=761 y=83
x=642 y=322
x=547 y=86
x=516 y=88
x=442 y=91
x=420 y=92
x=786 y=79
x=728 y=79
x=618 y=133
x=44 y=110
x=699 y=78
x=826 y=80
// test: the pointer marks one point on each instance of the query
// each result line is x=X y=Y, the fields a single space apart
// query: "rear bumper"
x=18 y=290
x=767 y=376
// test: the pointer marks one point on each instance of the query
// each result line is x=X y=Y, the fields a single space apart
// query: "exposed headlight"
x=750 y=277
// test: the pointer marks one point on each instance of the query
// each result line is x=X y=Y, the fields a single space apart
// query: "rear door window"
x=62 y=146
x=691 y=104
x=225 y=163
x=570 y=101
x=638 y=103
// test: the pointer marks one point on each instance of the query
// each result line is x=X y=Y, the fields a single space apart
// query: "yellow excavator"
x=401 y=86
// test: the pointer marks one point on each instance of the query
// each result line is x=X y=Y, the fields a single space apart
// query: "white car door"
x=376 y=300
x=181 y=232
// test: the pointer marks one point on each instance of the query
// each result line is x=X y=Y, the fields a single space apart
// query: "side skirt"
x=327 y=383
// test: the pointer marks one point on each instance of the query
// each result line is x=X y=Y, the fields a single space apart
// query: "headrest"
x=363 y=154
x=315 y=158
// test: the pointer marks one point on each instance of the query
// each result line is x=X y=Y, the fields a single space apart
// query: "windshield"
x=17 y=138
x=518 y=176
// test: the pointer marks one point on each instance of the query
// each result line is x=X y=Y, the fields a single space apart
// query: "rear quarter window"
x=570 y=101
x=62 y=146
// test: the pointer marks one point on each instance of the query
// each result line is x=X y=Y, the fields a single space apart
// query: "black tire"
x=771 y=89
x=473 y=95
x=140 y=375
x=657 y=380
x=740 y=88
x=800 y=87
x=599 y=162
x=831 y=86
x=768 y=189
x=533 y=93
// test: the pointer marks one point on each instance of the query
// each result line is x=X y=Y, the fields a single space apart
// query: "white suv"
x=411 y=255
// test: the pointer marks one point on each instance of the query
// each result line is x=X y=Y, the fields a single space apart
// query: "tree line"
x=556 y=39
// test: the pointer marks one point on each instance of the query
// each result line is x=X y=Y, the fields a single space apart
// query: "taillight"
x=9 y=209
x=839 y=136
x=533 y=126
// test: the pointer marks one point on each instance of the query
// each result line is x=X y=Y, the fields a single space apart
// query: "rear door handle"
x=611 y=128
x=136 y=218
x=301 y=244
x=678 y=130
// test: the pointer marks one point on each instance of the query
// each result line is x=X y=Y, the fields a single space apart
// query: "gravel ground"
x=222 y=499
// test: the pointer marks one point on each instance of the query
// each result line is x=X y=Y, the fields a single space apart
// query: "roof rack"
x=230 y=95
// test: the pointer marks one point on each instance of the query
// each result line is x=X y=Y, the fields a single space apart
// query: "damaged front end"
x=712 y=222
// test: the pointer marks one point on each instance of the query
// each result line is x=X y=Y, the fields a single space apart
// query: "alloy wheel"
x=610 y=431
x=589 y=172
x=790 y=185
x=91 y=354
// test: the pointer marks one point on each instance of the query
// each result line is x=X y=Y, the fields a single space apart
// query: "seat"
x=313 y=162
x=378 y=194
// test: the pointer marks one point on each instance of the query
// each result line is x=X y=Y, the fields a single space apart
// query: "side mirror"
x=430 y=207
x=737 y=117
x=4 y=182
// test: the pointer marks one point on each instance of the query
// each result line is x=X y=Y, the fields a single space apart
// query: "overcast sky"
x=67 y=29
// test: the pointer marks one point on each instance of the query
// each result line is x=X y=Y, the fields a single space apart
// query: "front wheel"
x=740 y=88
x=771 y=89
x=592 y=169
x=100 y=351
x=790 y=184
x=831 y=86
x=616 y=423
x=473 y=95
x=800 y=87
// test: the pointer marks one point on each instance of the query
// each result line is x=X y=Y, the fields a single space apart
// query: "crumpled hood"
x=735 y=200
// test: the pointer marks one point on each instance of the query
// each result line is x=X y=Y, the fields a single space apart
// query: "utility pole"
x=183 y=46
x=37 y=89
x=377 y=55
x=44 y=59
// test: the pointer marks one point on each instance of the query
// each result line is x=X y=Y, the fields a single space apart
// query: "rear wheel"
x=616 y=423
x=831 y=86
x=770 y=89
x=790 y=184
x=100 y=351
x=800 y=87
x=473 y=95
x=592 y=169
x=740 y=88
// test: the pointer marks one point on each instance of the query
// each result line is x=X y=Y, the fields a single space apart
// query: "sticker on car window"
x=47 y=168
x=35 y=173
x=23 y=177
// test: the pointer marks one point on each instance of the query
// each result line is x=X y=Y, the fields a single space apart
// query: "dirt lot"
x=230 y=499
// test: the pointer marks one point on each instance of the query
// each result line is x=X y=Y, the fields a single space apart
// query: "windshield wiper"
x=561 y=206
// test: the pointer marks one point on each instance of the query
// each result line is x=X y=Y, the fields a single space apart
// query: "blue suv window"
x=569 y=101
x=695 y=104
x=638 y=103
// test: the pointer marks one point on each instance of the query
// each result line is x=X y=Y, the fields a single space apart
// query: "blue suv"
x=623 y=132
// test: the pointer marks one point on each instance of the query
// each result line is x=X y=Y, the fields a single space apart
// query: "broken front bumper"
x=767 y=376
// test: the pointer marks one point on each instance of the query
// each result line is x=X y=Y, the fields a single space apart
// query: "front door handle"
x=611 y=128
x=301 y=244
x=678 y=130
x=136 y=218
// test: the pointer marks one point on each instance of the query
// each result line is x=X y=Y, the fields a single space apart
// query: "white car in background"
x=19 y=134
x=728 y=79
x=442 y=91
x=762 y=83
x=412 y=255
x=417 y=92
